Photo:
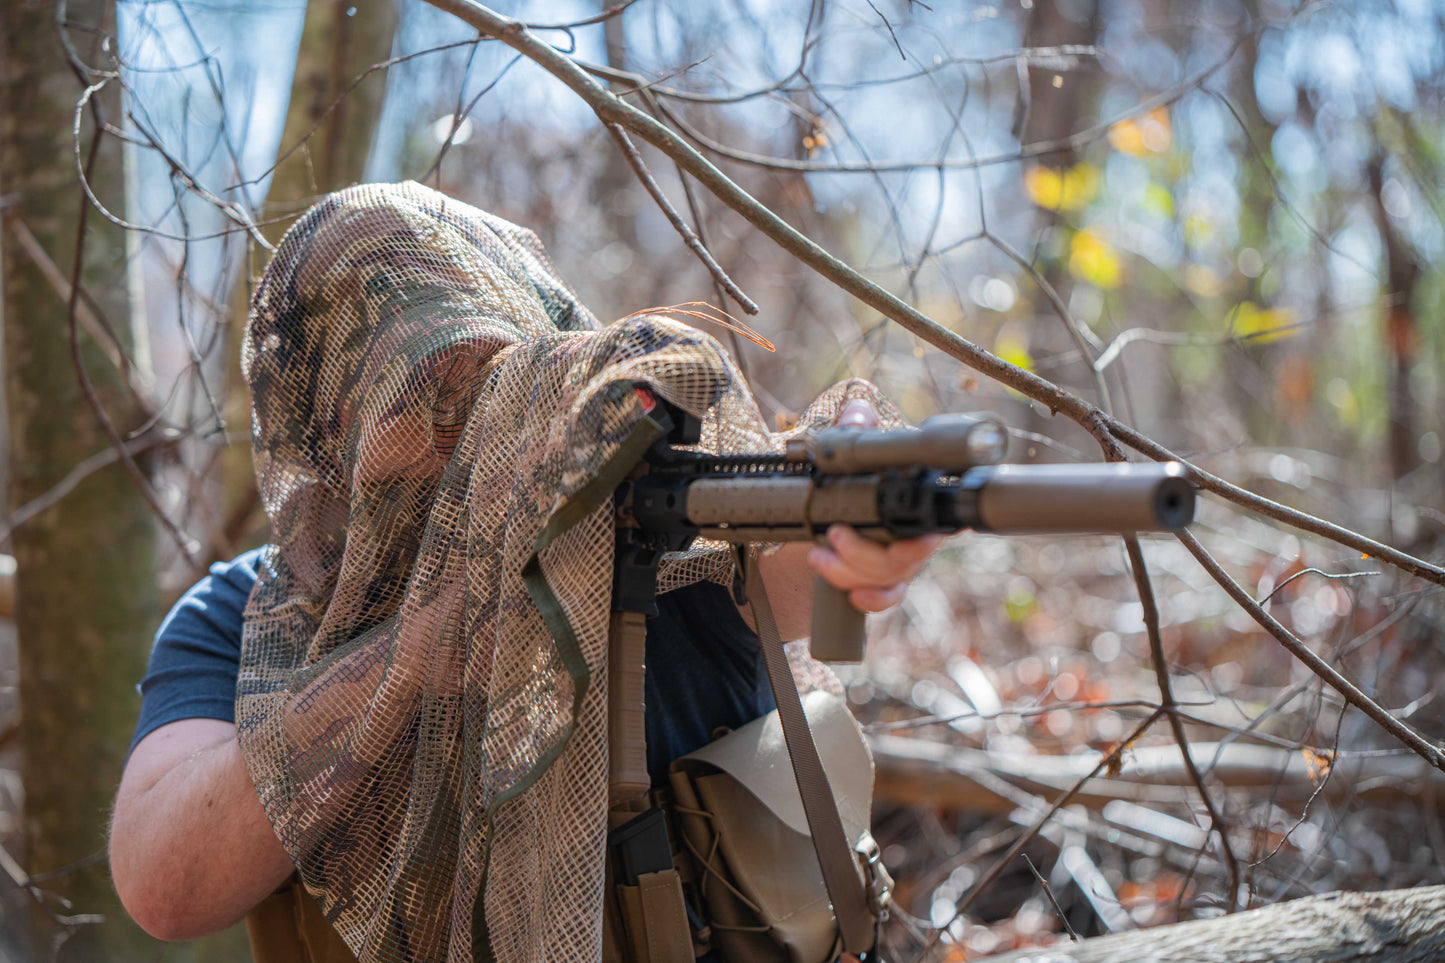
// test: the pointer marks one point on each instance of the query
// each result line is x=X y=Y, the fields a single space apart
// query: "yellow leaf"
x=1081 y=185
x=1262 y=325
x=1013 y=349
x=1095 y=260
x=1045 y=187
x=1067 y=190
x=1158 y=200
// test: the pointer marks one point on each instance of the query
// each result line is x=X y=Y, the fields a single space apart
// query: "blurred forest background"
x=1219 y=222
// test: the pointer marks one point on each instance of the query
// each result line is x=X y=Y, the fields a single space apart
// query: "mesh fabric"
x=430 y=406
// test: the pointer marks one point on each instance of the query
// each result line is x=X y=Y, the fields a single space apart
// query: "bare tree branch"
x=1166 y=695
x=1427 y=750
x=689 y=237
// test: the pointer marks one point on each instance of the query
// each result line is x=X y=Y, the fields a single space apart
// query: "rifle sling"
x=835 y=854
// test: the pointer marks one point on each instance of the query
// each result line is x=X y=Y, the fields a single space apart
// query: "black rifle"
x=941 y=477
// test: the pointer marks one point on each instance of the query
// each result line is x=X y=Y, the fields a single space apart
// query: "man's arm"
x=191 y=850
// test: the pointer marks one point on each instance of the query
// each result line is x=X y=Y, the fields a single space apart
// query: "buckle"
x=876 y=881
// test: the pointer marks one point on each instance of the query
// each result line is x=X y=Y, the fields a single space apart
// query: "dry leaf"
x=1318 y=763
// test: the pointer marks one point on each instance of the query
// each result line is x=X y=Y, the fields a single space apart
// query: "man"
x=416 y=725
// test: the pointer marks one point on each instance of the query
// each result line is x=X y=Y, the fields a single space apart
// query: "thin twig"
x=108 y=455
x=781 y=87
x=1044 y=884
x=1004 y=861
x=1073 y=142
x=234 y=211
x=1176 y=725
x=1427 y=750
x=1282 y=513
x=103 y=334
x=142 y=483
x=1315 y=571
x=689 y=237
x=901 y=55
x=462 y=112
x=700 y=226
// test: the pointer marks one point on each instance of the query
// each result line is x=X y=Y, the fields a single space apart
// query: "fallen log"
x=918 y=771
x=1400 y=926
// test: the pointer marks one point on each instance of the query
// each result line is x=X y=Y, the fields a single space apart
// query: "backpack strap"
x=856 y=921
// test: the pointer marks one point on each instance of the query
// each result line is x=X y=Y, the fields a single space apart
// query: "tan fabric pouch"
x=744 y=831
x=288 y=927
x=656 y=924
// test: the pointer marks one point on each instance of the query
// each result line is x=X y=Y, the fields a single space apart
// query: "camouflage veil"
x=433 y=410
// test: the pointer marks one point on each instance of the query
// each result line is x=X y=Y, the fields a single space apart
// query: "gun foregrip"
x=838 y=633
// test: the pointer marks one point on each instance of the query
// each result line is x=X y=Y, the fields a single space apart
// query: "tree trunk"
x=1401 y=335
x=86 y=599
x=1403 y=926
x=1050 y=111
x=340 y=40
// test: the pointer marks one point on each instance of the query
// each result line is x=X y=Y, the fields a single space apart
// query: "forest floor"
x=1015 y=666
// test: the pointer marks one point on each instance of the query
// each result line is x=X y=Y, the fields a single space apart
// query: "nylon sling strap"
x=835 y=854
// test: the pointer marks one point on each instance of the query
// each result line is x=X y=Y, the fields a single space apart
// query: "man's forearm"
x=191 y=849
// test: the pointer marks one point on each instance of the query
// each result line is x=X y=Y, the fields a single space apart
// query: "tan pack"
x=745 y=835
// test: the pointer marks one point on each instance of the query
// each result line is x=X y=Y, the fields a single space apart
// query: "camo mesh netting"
x=433 y=409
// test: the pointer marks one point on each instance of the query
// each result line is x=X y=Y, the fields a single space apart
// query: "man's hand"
x=874 y=576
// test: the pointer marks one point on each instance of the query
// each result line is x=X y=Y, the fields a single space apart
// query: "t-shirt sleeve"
x=193 y=663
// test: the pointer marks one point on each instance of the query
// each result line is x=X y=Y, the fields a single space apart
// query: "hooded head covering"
x=438 y=425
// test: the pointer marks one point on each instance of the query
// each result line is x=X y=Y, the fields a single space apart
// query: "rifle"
x=941 y=477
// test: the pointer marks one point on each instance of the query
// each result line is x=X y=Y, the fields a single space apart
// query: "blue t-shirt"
x=704 y=665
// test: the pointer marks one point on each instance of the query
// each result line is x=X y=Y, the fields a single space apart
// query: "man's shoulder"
x=236 y=575
x=244 y=568
x=220 y=594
